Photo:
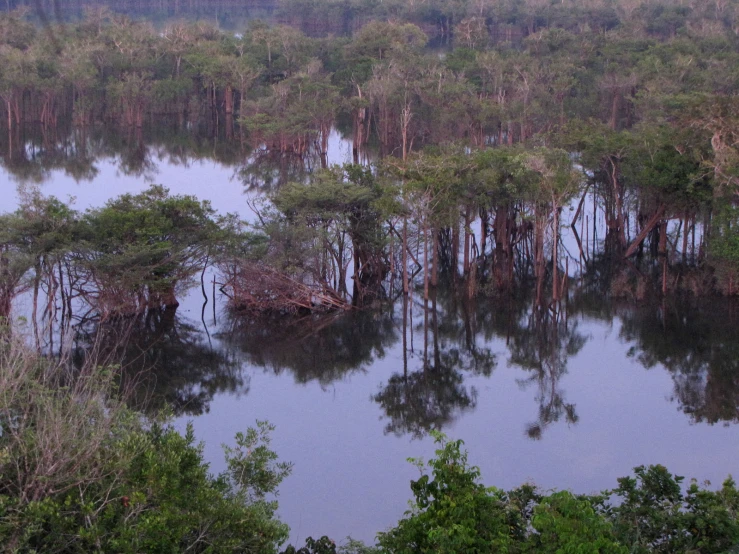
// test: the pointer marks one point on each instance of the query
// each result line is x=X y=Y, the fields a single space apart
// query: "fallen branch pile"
x=257 y=288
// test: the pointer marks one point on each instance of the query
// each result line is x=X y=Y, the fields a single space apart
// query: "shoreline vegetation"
x=80 y=472
x=497 y=147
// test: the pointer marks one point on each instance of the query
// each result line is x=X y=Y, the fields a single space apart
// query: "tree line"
x=482 y=147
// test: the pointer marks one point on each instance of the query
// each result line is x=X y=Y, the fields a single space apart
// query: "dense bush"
x=81 y=473
x=650 y=512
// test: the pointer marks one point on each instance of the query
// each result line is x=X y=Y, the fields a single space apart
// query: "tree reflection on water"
x=696 y=341
x=313 y=348
x=446 y=343
x=166 y=361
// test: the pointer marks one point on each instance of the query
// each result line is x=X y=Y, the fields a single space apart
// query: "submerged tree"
x=139 y=249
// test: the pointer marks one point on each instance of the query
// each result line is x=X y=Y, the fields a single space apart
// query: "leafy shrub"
x=81 y=473
x=453 y=512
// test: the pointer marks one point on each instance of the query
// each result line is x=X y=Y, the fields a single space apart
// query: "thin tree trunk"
x=645 y=231
x=467 y=236
x=405 y=255
x=555 y=258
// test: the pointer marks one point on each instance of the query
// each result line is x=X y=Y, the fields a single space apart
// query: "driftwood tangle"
x=257 y=288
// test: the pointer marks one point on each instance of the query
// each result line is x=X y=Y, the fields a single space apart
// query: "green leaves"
x=252 y=466
x=653 y=513
x=567 y=524
x=146 y=244
x=79 y=472
x=453 y=512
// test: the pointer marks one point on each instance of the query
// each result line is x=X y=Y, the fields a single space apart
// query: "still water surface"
x=570 y=404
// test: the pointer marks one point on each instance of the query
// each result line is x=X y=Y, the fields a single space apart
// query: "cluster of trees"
x=453 y=512
x=509 y=20
x=488 y=21
x=482 y=90
x=125 y=258
x=494 y=134
x=79 y=472
x=495 y=217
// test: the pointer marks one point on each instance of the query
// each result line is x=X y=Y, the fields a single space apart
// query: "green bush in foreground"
x=453 y=512
x=81 y=473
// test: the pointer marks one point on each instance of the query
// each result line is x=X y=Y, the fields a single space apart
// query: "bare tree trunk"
x=663 y=238
x=425 y=262
x=614 y=110
x=656 y=219
x=686 y=232
x=555 y=251
x=229 y=100
x=34 y=317
x=455 y=248
x=539 y=268
x=484 y=217
x=435 y=258
x=467 y=236
x=405 y=255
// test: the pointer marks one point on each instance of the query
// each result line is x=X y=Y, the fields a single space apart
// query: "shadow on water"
x=323 y=349
x=698 y=344
x=35 y=151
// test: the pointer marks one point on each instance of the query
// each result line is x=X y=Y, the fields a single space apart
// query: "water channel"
x=567 y=403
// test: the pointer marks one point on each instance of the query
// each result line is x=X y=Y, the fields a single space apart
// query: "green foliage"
x=653 y=514
x=340 y=213
x=380 y=40
x=253 y=466
x=146 y=244
x=325 y=545
x=566 y=524
x=80 y=473
x=724 y=245
x=453 y=512
x=725 y=236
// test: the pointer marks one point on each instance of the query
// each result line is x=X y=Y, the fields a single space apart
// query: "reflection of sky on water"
x=351 y=477
x=205 y=179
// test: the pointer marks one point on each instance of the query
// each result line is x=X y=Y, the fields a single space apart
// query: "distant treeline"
x=53 y=8
x=506 y=20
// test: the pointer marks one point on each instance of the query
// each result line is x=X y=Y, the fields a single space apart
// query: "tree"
x=654 y=515
x=139 y=248
x=452 y=511
x=724 y=245
x=340 y=204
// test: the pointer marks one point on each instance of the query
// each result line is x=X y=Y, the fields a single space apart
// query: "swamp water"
x=567 y=401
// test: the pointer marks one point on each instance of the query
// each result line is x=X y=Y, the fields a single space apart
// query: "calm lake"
x=572 y=403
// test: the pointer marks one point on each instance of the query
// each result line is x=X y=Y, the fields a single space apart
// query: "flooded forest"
x=514 y=221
